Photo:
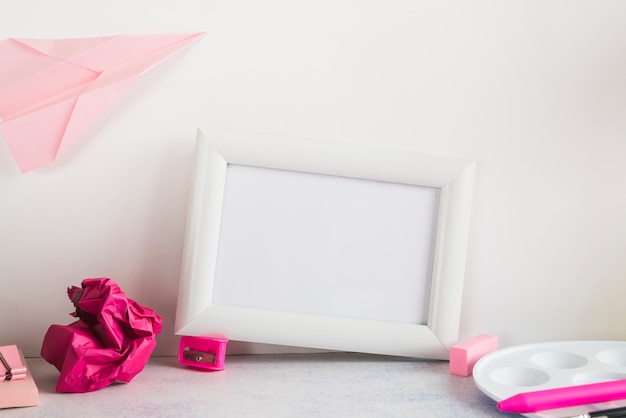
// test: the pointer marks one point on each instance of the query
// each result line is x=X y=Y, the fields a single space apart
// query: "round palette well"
x=532 y=367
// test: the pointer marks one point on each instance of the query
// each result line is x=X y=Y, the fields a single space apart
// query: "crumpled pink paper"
x=112 y=340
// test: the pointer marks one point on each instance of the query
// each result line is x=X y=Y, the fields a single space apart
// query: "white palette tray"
x=532 y=367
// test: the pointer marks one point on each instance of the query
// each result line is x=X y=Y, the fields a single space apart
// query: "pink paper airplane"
x=52 y=90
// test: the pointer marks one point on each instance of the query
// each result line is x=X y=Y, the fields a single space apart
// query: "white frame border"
x=196 y=315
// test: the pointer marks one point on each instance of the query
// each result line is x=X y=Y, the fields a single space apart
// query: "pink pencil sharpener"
x=203 y=352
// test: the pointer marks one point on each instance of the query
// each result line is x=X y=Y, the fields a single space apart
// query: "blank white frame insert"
x=328 y=306
x=364 y=251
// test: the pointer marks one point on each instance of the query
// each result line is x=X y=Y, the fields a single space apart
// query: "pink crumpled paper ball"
x=111 y=341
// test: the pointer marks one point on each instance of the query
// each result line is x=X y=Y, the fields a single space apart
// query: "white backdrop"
x=534 y=91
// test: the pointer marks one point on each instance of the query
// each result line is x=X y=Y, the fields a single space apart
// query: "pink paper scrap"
x=111 y=341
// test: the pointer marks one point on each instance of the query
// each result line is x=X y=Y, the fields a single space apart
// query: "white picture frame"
x=198 y=315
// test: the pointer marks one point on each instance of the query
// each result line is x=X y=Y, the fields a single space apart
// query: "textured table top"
x=286 y=385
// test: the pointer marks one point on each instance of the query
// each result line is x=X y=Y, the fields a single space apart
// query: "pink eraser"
x=464 y=355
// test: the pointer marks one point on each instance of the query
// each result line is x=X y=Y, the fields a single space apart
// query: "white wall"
x=535 y=91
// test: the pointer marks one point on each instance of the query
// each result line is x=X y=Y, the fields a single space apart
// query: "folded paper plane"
x=52 y=90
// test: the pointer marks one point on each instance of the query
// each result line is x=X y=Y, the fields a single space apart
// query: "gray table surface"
x=285 y=385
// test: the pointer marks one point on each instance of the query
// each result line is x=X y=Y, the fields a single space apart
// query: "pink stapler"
x=12 y=364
